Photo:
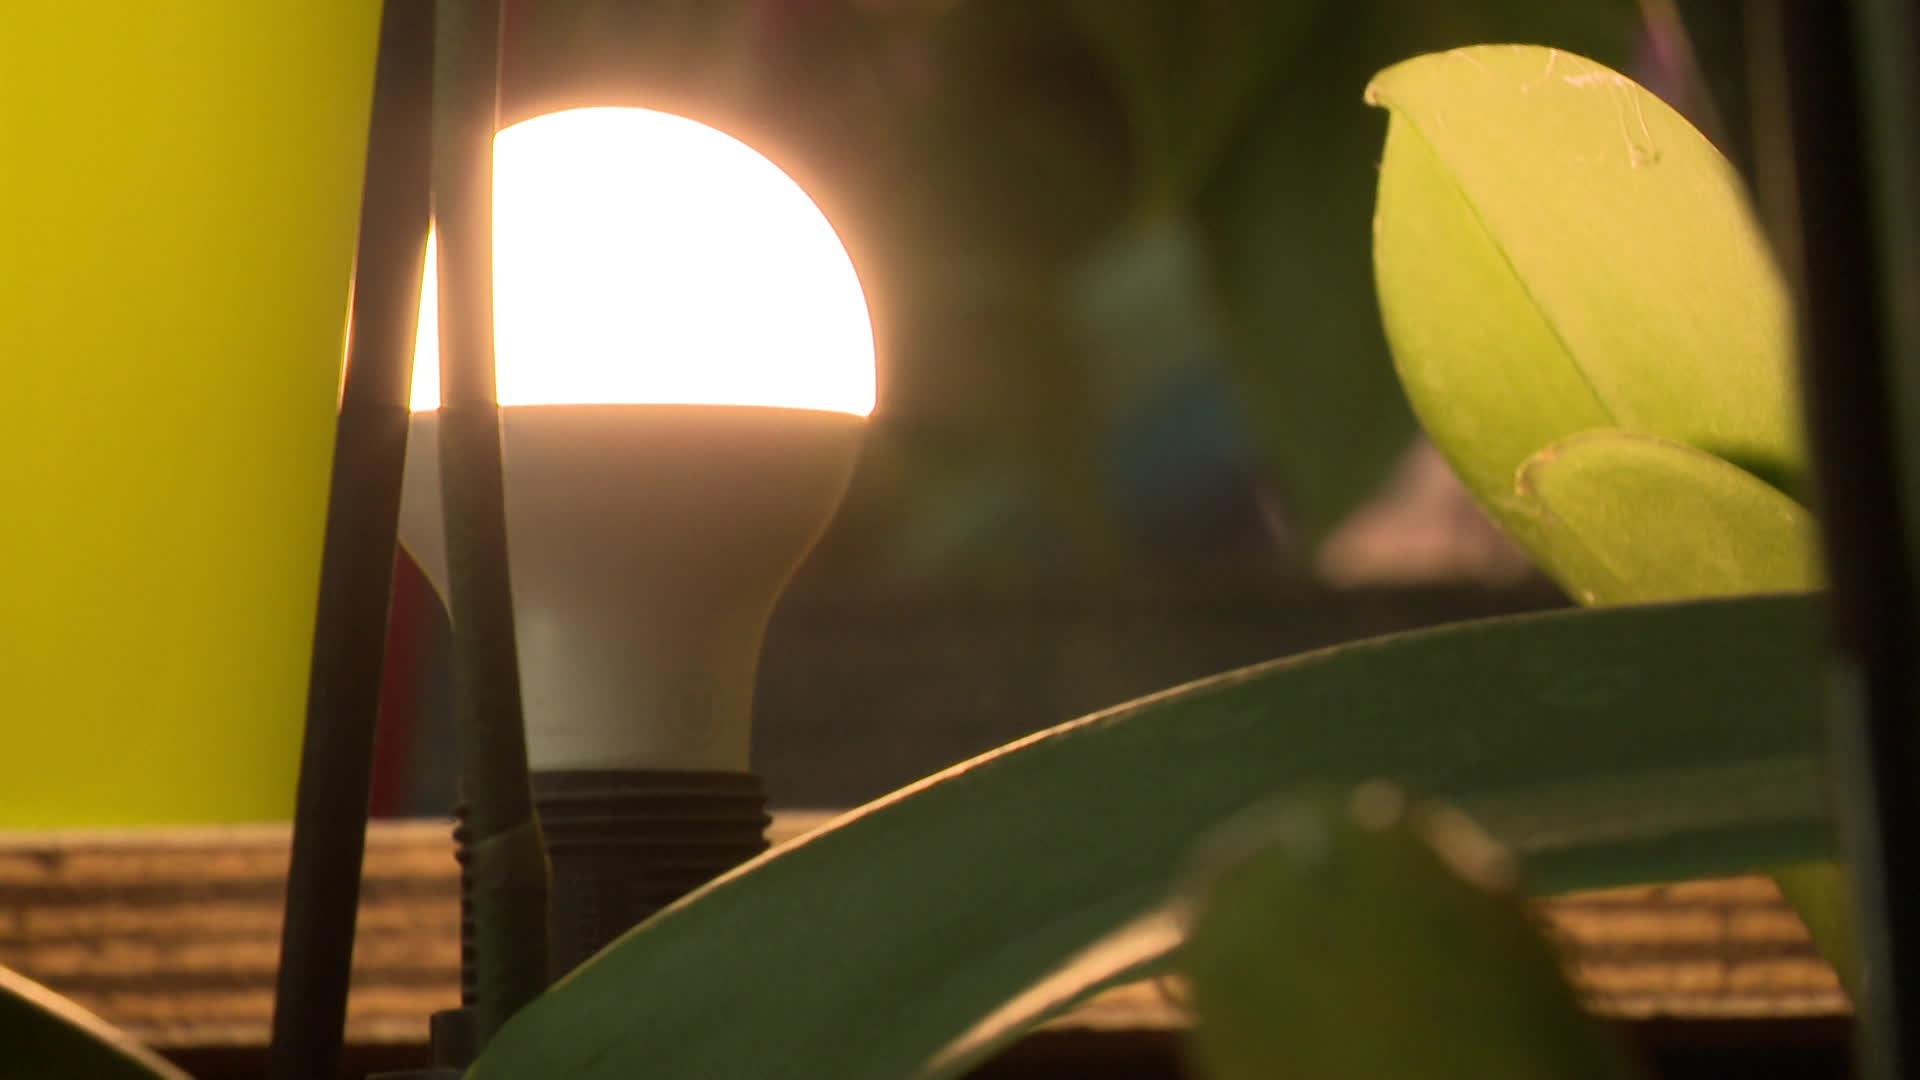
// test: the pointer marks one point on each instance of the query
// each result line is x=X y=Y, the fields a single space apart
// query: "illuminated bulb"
x=685 y=362
x=641 y=257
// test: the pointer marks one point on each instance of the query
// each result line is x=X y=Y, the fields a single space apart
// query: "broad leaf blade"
x=1354 y=938
x=1685 y=737
x=1556 y=251
x=47 y=1037
x=1609 y=270
x=1623 y=518
x=1487 y=375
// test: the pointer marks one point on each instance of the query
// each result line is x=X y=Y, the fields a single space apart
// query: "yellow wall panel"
x=179 y=187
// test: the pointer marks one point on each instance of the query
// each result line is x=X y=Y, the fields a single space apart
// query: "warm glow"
x=645 y=258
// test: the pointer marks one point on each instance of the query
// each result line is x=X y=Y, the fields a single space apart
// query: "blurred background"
x=1137 y=420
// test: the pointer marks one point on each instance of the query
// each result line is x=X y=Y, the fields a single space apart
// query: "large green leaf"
x=1604 y=746
x=1555 y=250
x=44 y=1036
x=1367 y=940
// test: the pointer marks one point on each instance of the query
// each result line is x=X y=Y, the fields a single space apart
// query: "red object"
x=399 y=721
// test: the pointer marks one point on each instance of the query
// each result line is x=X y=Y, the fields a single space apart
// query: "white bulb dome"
x=644 y=258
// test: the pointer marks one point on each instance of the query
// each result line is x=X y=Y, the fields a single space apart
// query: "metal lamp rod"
x=356 y=572
x=508 y=861
x=1859 y=353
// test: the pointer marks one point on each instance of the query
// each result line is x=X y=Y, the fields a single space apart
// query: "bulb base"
x=625 y=843
x=621 y=844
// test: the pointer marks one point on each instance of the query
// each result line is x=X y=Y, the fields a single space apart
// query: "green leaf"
x=1622 y=518
x=1142 y=949
x=1355 y=938
x=1556 y=249
x=1284 y=218
x=1604 y=746
x=1189 y=74
x=1284 y=231
x=47 y=1037
x=1717 y=531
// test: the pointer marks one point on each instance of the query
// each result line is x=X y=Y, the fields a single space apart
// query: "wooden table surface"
x=173 y=935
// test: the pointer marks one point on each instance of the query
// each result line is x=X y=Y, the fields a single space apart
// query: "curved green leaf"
x=1188 y=74
x=1360 y=939
x=1555 y=250
x=47 y=1037
x=1142 y=949
x=1575 y=833
x=1605 y=746
x=1282 y=217
x=1622 y=518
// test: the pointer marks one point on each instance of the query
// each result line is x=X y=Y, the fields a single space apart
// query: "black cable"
x=356 y=571
x=506 y=858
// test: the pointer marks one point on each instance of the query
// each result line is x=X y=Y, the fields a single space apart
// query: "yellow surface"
x=179 y=185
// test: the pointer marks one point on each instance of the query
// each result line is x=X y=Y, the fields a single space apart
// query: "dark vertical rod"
x=507 y=862
x=356 y=570
x=1888 y=36
x=1849 y=361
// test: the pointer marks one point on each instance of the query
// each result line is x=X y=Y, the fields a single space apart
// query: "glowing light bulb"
x=684 y=361
x=641 y=257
